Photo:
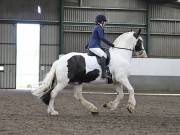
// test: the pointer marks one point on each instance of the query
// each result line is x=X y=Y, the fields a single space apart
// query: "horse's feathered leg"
x=54 y=93
x=131 y=101
x=114 y=104
x=78 y=95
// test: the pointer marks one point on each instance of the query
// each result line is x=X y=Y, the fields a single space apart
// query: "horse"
x=77 y=68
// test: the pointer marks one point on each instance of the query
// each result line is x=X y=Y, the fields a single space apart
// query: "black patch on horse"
x=46 y=98
x=92 y=75
x=77 y=70
x=138 y=46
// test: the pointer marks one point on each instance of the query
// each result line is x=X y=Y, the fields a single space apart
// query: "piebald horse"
x=78 y=68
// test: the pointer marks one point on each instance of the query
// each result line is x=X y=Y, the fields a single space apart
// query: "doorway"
x=27 y=57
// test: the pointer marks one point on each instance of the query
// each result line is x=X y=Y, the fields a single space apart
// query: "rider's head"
x=101 y=19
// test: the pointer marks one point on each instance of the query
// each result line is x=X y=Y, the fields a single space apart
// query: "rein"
x=130 y=50
x=124 y=48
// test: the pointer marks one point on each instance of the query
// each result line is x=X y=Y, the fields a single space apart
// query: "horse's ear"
x=139 y=32
x=136 y=35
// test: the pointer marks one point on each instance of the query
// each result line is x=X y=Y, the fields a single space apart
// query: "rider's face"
x=103 y=23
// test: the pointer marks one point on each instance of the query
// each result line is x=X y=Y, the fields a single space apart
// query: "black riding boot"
x=104 y=68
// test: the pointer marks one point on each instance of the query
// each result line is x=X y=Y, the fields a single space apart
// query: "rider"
x=94 y=44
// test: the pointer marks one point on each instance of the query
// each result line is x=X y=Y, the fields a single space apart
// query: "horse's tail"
x=47 y=84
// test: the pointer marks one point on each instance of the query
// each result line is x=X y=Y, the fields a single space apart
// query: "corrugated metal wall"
x=80 y=35
x=49 y=47
x=114 y=3
x=27 y=9
x=12 y=12
x=8 y=55
x=72 y=14
x=165 y=31
x=122 y=16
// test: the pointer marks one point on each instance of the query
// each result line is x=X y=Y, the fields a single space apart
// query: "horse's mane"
x=124 y=39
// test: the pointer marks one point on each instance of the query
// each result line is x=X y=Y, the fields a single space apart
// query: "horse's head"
x=139 y=47
x=132 y=41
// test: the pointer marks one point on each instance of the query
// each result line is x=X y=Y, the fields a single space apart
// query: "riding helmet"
x=100 y=18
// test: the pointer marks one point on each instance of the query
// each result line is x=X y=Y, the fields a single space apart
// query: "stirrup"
x=108 y=78
x=106 y=75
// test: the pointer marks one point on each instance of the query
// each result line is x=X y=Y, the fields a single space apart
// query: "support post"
x=61 y=27
x=148 y=21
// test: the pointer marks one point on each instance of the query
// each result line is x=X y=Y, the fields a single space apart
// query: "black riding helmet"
x=100 y=18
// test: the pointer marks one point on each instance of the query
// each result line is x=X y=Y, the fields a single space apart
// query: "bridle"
x=131 y=50
x=124 y=48
x=139 y=49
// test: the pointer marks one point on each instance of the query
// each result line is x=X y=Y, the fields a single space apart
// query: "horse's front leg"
x=114 y=104
x=78 y=95
x=131 y=101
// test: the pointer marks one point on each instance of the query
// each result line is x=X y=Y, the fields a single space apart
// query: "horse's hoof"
x=54 y=113
x=95 y=113
x=109 y=105
x=105 y=105
x=129 y=109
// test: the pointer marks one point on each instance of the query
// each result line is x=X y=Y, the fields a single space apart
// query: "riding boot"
x=104 y=68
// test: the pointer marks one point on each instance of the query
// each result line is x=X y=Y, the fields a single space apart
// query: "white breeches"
x=99 y=52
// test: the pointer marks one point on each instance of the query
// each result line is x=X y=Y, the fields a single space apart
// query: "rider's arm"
x=101 y=36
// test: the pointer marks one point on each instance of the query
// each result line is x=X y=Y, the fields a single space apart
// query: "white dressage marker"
x=1 y=68
x=155 y=67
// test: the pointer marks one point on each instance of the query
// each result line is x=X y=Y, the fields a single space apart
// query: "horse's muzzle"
x=141 y=54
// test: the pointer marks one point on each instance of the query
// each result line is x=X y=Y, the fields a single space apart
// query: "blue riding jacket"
x=96 y=38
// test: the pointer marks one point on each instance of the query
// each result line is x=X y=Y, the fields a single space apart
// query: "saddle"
x=106 y=50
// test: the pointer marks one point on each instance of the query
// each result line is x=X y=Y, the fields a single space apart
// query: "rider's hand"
x=112 y=45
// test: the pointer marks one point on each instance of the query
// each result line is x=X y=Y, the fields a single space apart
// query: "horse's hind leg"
x=78 y=95
x=54 y=93
x=114 y=104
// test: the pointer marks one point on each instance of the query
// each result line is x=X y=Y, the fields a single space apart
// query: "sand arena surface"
x=23 y=114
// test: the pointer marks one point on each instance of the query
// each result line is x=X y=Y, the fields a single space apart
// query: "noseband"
x=124 y=48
